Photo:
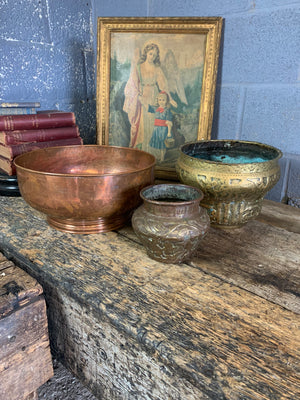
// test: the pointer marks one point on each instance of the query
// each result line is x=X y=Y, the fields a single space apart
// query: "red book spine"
x=11 y=152
x=36 y=121
x=38 y=135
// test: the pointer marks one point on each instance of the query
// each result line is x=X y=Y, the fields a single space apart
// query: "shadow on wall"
x=83 y=90
x=215 y=122
x=85 y=112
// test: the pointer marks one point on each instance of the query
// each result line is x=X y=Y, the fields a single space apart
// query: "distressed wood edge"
x=26 y=362
x=280 y=215
x=83 y=369
x=26 y=287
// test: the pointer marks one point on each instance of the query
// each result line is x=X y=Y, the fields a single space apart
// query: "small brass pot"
x=234 y=176
x=170 y=223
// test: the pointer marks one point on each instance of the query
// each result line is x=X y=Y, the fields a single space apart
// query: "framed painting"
x=156 y=80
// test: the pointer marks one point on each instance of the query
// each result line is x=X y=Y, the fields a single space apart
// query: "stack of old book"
x=22 y=133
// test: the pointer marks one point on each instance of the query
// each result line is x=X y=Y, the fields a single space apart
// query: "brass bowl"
x=234 y=176
x=84 y=189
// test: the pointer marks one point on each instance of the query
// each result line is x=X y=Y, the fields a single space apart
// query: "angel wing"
x=172 y=74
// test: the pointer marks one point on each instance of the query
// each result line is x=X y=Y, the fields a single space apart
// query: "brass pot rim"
x=170 y=203
x=19 y=158
x=221 y=163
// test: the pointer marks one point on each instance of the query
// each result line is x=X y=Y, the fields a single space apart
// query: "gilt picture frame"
x=156 y=81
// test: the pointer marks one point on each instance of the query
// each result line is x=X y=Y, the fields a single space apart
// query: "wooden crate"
x=25 y=358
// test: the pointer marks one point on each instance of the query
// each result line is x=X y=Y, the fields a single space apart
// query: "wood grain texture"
x=280 y=215
x=25 y=356
x=260 y=257
x=217 y=336
x=17 y=288
x=113 y=364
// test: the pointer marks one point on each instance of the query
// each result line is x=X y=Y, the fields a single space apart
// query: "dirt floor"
x=63 y=386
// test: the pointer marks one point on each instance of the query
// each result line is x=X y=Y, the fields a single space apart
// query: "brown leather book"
x=36 y=121
x=38 y=135
x=12 y=151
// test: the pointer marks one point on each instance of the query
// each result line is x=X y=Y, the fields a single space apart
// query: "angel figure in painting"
x=147 y=79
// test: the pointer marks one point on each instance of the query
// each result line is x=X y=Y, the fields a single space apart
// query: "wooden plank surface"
x=261 y=257
x=225 y=341
x=257 y=258
x=280 y=215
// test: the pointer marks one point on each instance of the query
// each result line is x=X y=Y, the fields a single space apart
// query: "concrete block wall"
x=49 y=53
x=258 y=94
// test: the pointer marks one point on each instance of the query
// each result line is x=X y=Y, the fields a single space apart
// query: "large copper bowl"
x=234 y=176
x=84 y=189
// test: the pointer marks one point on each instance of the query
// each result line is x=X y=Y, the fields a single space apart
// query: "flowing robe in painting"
x=140 y=92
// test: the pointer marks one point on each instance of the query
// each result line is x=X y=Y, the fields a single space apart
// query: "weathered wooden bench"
x=25 y=358
x=223 y=326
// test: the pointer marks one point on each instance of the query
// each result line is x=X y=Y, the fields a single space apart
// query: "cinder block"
x=71 y=23
x=262 y=47
x=226 y=113
x=25 y=21
x=272 y=116
x=268 y=4
x=197 y=8
x=117 y=8
x=41 y=72
x=277 y=193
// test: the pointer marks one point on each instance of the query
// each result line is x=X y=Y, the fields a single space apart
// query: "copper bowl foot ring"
x=88 y=226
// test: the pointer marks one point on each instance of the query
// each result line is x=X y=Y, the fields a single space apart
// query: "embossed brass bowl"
x=170 y=223
x=84 y=189
x=234 y=176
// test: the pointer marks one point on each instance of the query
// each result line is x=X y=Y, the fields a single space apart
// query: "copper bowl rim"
x=267 y=146
x=24 y=155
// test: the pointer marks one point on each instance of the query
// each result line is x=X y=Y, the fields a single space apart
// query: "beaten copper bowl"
x=84 y=189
